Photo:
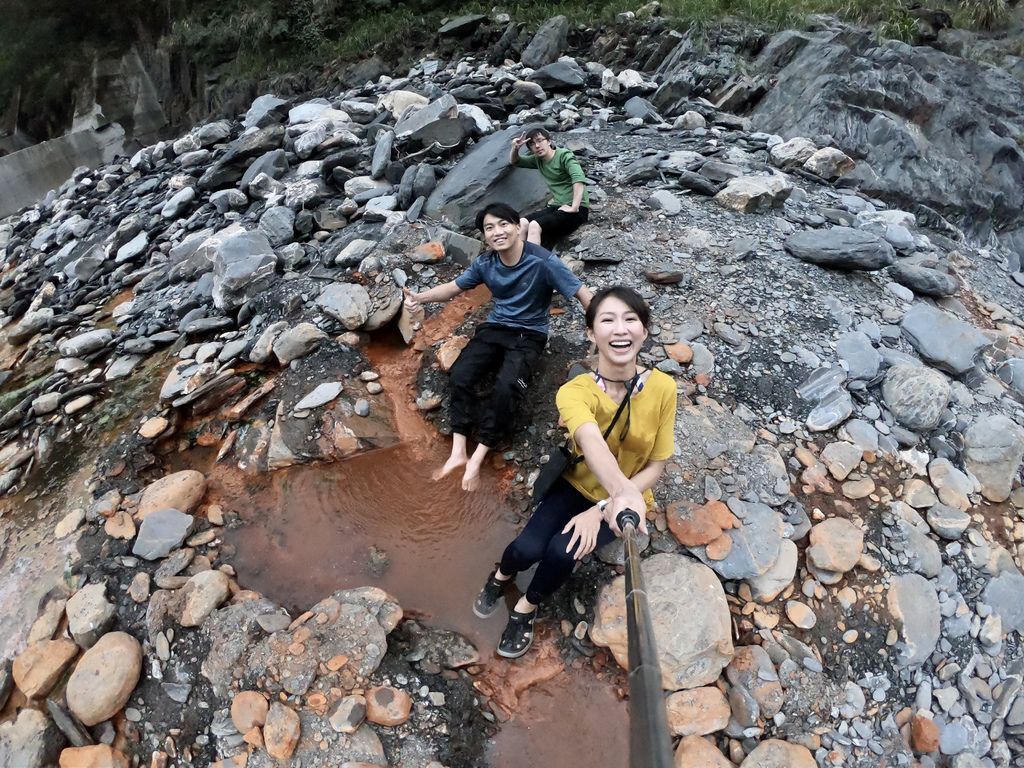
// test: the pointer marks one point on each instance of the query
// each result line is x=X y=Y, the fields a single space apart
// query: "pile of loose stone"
x=835 y=564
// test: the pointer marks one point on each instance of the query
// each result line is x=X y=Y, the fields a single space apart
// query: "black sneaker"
x=518 y=635
x=487 y=601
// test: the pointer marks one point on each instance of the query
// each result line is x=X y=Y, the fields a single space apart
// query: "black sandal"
x=518 y=635
x=487 y=601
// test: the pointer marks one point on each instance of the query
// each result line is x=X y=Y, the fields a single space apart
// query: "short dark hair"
x=627 y=296
x=503 y=211
x=538 y=131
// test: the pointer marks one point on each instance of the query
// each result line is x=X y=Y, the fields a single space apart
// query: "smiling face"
x=499 y=234
x=540 y=146
x=618 y=333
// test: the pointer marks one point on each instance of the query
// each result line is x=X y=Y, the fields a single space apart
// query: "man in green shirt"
x=570 y=205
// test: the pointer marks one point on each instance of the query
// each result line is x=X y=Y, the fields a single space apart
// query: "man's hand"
x=412 y=301
x=519 y=141
x=568 y=209
x=584 y=527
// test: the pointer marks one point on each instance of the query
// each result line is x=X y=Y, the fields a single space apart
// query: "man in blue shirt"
x=521 y=278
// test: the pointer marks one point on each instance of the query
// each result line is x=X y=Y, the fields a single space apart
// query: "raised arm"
x=623 y=492
x=513 y=153
x=584 y=296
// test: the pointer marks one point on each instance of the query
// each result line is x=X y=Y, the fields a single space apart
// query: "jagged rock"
x=914 y=605
x=265 y=110
x=772 y=582
x=755 y=544
x=297 y=342
x=104 y=678
x=690 y=616
x=278 y=224
x=1003 y=594
x=665 y=201
x=178 y=203
x=698 y=752
x=30 y=741
x=547 y=45
x=89 y=614
x=93 y=756
x=841 y=248
x=40 y=666
x=751 y=194
x=281 y=732
x=161 y=532
x=942 y=339
x=86 y=343
x=439 y=120
x=861 y=358
x=232 y=632
x=915 y=395
x=348 y=303
x=179 y=490
x=829 y=163
x=924 y=281
x=793 y=153
x=754 y=688
x=562 y=75
x=462 y=25
x=242 y=264
x=202 y=594
x=482 y=175
x=953 y=486
x=993 y=448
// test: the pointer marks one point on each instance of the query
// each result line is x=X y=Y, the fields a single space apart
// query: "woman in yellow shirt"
x=578 y=514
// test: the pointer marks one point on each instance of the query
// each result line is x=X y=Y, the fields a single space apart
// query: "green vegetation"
x=47 y=46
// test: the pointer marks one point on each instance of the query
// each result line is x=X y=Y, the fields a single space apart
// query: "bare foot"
x=471 y=479
x=453 y=463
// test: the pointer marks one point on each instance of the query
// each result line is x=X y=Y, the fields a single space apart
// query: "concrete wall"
x=28 y=174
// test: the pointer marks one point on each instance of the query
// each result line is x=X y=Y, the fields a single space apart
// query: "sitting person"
x=521 y=278
x=570 y=205
x=622 y=461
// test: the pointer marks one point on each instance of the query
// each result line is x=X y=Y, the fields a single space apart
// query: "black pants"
x=513 y=353
x=556 y=224
x=542 y=541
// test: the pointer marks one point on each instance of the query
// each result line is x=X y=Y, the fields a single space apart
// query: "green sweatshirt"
x=560 y=172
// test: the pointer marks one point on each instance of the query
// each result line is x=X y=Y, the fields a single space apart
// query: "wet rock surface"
x=835 y=557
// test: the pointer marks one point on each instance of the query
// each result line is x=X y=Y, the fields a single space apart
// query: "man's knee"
x=534 y=232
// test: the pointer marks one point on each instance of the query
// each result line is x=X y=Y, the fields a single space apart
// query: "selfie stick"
x=649 y=743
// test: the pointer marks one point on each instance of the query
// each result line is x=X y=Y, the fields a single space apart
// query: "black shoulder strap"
x=629 y=392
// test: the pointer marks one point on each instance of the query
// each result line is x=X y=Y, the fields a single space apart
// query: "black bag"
x=563 y=459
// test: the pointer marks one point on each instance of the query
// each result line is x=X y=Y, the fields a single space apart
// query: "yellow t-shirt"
x=652 y=418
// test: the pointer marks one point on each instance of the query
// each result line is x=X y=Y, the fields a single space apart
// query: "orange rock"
x=282 y=731
x=317 y=701
x=428 y=253
x=680 y=352
x=249 y=709
x=924 y=734
x=387 y=706
x=180 y=490
x=695 y=526
x=254 y=738
x=698 y=752
x=98 y=756
x=120 y=526
x=720 y=548
x=337 y=662
x=697 y=712
x=450 y=350
x=38 y=668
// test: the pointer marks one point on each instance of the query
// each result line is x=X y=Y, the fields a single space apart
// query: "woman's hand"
x=629 y=497
x=584 y=527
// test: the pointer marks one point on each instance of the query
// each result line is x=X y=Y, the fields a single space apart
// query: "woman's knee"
x=555 y=552
x=526 y=550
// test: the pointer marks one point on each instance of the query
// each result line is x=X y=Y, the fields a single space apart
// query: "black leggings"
x=542 y=541
x=556 y=224
x=513 y=352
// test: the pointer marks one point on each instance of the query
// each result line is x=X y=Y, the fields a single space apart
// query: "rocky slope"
x=835 y=565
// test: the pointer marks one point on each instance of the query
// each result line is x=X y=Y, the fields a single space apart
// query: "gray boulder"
x=86 y=343
x=265 y=110
x=560 y=75
x=755 y=545
x=484 y=176
x=1003 y=593
x=548 y=44
x=841 y=248
x=884 y=102
x=241 y=266
x=915 y=395
x=381 y=154
x=943 y=340
x=993 y=448
x=439 y=120
x=30 y=741
x=278 y=224
x=347 y=302
x=273 y=163
x=861 y=358
x=923 y=280
x=914 y=606
x=161 y=532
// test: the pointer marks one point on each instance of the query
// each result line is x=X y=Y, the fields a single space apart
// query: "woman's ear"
x=590 y=336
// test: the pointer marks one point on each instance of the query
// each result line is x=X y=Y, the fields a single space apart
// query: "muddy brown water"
x=379 y=519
